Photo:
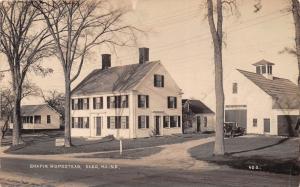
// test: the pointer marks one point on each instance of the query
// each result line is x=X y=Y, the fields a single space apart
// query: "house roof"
x=284 y=92
x=197 y=107
x=263 y=62
x=114 y=79
x=28 y=110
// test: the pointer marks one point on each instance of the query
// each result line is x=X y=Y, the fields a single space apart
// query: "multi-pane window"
x=117 y=122
x=234 y=88
x=37 y=119
x=172 y=102
x=205 y=121
x=80 y=104
x=80 y=122
x=166 y=121
x=98 y=103
x=143 y=122
x=120 y=101
x=171 y=121
x=143 y=101
x=27 y=119
x=255 y=122
x=159 y=81
x=269 y=69
x=48 y=119
x=263 y=69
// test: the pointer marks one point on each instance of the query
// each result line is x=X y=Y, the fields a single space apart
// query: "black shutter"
x=72 y=122
x=117 y=101
x=108 y=101
x=139 y=101
x=139 y=122
x=179 y=121
x=169 y=104
x=127 y=122
x=155 y=80
x=88 y=103
x=147 y=122
x=88 y=122
x=127 y=101
x=94 y=103
x=72 y=104
x=108 y=122
x=164 y=121
x=163 y=81
x=101 y=102
x=175 y=102
x=147 y=101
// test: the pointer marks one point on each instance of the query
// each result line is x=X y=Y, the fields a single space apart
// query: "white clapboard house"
x=262 y=102
x=41 y=116
x=130 y=101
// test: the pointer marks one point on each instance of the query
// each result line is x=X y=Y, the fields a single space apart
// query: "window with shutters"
x=158 y=81
x=80 y=104
x=120 y=101
x=143 y=101
x=118 y=122
x=81 y=122
x=143 y=122
x=173 y=121
x=234 y=88
x=172 y=102
x=98 y=103
x=166 y=121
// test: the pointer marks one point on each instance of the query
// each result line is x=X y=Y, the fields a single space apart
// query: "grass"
x=44 y=143
x=127 y=154
x=271 y=154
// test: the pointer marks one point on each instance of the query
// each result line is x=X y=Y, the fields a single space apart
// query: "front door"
x=157 y=125
x=98 y=126
x=198 y=123
x=267 y=125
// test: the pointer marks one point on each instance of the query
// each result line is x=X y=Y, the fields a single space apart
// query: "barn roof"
x=114 y=79
x=284 y=92
x=197 y=107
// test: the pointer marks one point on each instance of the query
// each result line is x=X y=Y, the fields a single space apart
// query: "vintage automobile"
x=232 y=129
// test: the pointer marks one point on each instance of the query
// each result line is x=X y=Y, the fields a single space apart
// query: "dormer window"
x=263 y=69
x=270 y=69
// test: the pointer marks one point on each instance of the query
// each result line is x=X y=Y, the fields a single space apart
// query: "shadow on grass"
x=259 y=148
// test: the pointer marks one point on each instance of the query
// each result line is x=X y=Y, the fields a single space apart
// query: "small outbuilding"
x=40 y=116
x=197 y=117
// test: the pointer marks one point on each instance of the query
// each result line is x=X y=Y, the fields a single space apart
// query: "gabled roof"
x=263 y=62
x=197 y=107
x=284 y=92
x=114 y=79
x=28 y=110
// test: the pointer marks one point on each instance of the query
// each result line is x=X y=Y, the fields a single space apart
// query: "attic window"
x=234 y=88
x=263 y=69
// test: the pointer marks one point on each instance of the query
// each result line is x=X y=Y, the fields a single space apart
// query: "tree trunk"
x=296 y=16
x=219 y=140
x=68 y=142
x=17 y=117
x=217 y=36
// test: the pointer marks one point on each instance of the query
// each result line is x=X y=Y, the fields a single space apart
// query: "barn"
x=262 y=103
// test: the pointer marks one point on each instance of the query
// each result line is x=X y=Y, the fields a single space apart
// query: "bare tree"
x=7 y=102
x=24 y=41
x=296 y=16
x=76 y=27
x=56 y=100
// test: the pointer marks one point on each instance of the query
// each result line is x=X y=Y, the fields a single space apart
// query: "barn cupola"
x=264 y=68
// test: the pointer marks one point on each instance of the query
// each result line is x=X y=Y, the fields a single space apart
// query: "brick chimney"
x=143 y=55
x=106 y=61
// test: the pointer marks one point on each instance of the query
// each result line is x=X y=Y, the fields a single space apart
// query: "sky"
x=177 y=34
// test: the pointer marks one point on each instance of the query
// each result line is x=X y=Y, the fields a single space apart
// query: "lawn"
x=127 y=154
x=271 y=154
x=44 y=143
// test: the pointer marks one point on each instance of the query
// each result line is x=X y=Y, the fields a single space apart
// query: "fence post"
x=121 y=147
